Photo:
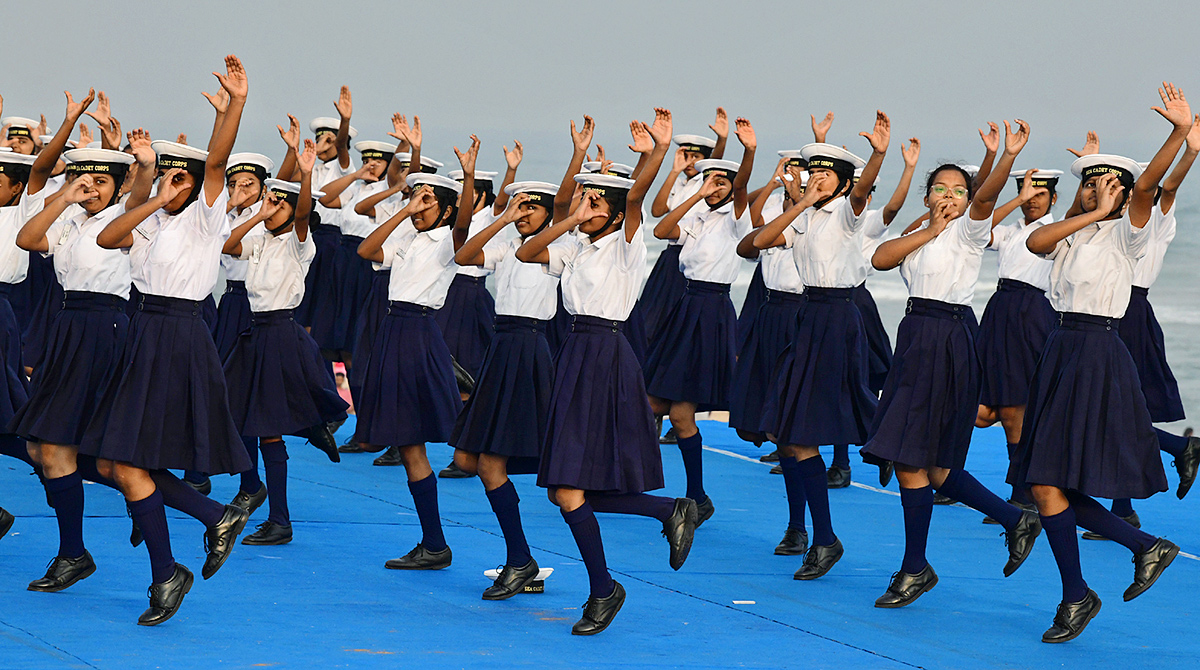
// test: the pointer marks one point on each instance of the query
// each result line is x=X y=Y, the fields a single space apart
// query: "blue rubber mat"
x=325 y=600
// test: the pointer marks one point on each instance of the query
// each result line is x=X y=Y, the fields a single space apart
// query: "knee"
x=413 y=456
x=683 y=418
x=105 y=468
x=1012 y=416
x=492 y=471
x=987 y=416
x=552 y=494
x=570 y=499
x=1044 y=495
x=659 y=406
x=802 y=453
x=35 y=452
x=468 y=462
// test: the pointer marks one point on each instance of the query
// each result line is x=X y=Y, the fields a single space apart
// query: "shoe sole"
x=256 y=543
x=237 y=530
x=78 y=578
x=906 y=603
x=187 y=587
x=807 y=578
x=1166 y=563
x=686 y=549
x=1079 y=632
x=1183 y=490
x=789 y=552
x=837 y=486
x=430 y=567
x=601 y=630
x=1094 y=536
x=7 y=527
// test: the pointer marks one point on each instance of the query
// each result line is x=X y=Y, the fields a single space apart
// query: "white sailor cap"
x=539 y=192
x=858 y=173
x=714 y=165
x=97 y=161
x=18 y=126
x=1088 y=166
x=427 y=163
x=972 y=170
x=803 y=178
x=604 y=183
x=375 y=149
x=257 y=164
x=794 y=158
x=1041 y=178
x=434 y=180
x=328 y=124
x=288 y=190
x=617 y=169
x=12 y=162
x=45 y=139
x=831 y=157
x=1143 y=165
x=176 y=155
x=480 y=175
x=697 y=143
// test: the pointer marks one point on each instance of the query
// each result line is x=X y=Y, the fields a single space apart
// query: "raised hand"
x=234 y=80
x=219 y=100
x=1090 y=146
x=1015 y=141
x=1027 y=188
x=911 y=152
x=642 y=143
x=291 y=136
x=1175 y=107
x=76 y=109
x=820 y=130
x=1108 y=193
x=582 y=139
x=306 y=160
x=881 y=135
x=139 y=143
x=181 y=138
x=36 y=136
x=777 y=175
x=85 y=135
x=721 y=125
x=661 y=130
x=600 y=155
x=821 y=185
x=414 y=133
x=513 y=158
x=467 y=159
x=745 y=134
x=344 y=104
x=680 y=161
x=399 y=127
x=168 y=188
x=80 y=190
x=991 y=139
x=43 y=128
x=1193 y=136
x=102 y=116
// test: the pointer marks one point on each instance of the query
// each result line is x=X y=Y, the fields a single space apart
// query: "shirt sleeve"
x=54 y=237
x=562 y=253
x=397 y=243
x=1165 y=231
x=1132 y=241
x=971 y=232
x=213 y=221
x=493 y=254
x=850 y=221
x=305 y=251
x=1001 y=234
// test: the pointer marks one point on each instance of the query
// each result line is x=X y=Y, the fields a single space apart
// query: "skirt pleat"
x=1012 y=335
x=664 y=287
x=318 y=309
x=693 y=358
x=14 y=390
x=368 y=325
x=559 y=326
x=45 y=308
x=879 y=346
x=1143 y=336
x=758 y=361
x=756 y=295
x=467 y=321
x=354 y=277
x=233 y=317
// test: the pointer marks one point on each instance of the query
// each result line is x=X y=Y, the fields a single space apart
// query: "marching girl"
x=1018 y=317
x=691 y=363
x=1088 y=431
x=821 y=394
x=601 y=452
x=167 y=408
x=930 y=400
x=278 y=383
x=503 y=425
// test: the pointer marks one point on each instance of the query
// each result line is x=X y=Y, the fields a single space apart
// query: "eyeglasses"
x=957 y=192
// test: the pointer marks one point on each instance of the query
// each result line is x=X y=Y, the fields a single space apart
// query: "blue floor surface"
x=326 y=601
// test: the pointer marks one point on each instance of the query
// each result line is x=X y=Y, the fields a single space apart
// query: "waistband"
x=697 y=286
x=938 y=309
x=582 y=323
x=235 y=286
x=821 y=294
x=351 y=240
x=400 y=308
x=325 y=229
x=92 y=301
x=519 y=324
x=274 y=316
x=1138 y=290
x=467 y=279
x=1079 y=321
x=383 y=273
x=1016 y=285
x=161 y=304
x=784 y=296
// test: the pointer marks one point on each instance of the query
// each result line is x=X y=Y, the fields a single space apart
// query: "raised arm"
x=110 y=127
x=235 y=84
x=118 y=234
x=660 y=205
x=1023 y=196
x=513 y=160
x=1046 y=238
x=396 y=173
x=536 y=248
x=910 y=153
x=32 y=236
x=745 y=135
x=291 y=137
x=720 y=126
x=233 y=245
x=879 y=137
x=371 y=248
x=1171 y=184
x=220 y=103
x=667 y=227
x=820 y=185
x=44 y=164
x=304 y=204
x=661 y=133
x=344 y=106
x=891 y=253
x=820 y=130
x=642 y=145
x=471 y=252
x=991 y=144
x=1176 y=110
x=763 y=194
x=147 y=166
x=985 y=198
x=466 y=199
x=580 y=140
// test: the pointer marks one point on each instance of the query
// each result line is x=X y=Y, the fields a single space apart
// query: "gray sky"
x=522 y=69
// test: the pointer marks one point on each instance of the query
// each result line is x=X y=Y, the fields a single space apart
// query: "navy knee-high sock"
x=177 y=495
x=1020 y=494
x=86 y=467
x=275 y=458
x=1060 y=533
x=693 y=465
x=506 y=504
x=841 y=456
x=251 y=482
x=918 y=510
x=1172 y=444
x=641 y=504
x=816 y=493
x=1091 y=515
x=151 y=517
x=793 y=483
x=1122 y=507
x=586 y=530
x=424 y=493
x=194 y=476
x=961 y=486
x=67 y=495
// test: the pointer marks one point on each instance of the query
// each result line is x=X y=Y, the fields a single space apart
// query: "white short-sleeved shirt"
x=827 y=245
x=601 y=278
x=322 y=174
x=1016 y=260
x=779 y=269
x=874 y=230
x=422 y=264
x=710 y=238
x=480 y=220
x=353 y=223
x=947 y=267
x=83 y=265
x=235 y=268
x=1161 y=229
x=14 y=261
x=522 y=289
x=277 y=267
x=681 y=190
x=1093 y=268
x=179 y=256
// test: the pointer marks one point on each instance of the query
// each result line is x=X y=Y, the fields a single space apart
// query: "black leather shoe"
x=511 y=581
x=166 y=597
x=452 y=471
x=598 y=613
x=269 y=533
x=219 y=540
x=1020 y=540
x=352 y=447
x=1072 y=618
x=464 y=380
x=819 y=559
x=704 y=511
x=777 y=470
x=1132 y=520
x=680 y=529
x=1149 y=564
x=390 y=456
x=670 y=437
x=1024 y=507
x=135 y=534
x=6 y=521
x=320 y=437
x=250 y=501
x=1186 y=465
x=906 y=588
x=63 y=572
x=939 y=499
x=772 y=457
x=837 y=477
x=421 y=558
x=794 y=543
x=204 y=487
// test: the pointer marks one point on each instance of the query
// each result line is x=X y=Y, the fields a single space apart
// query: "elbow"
x=524 y=255
x=106 y=242
x=365 y=251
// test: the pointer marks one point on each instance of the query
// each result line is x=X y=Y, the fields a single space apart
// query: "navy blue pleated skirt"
x=1012 y=335
x=233 y=317
x=879 y=346
x=166 y=406
x=368 y=324
x=318 y=309
x=756 y=294
x=278 y=382
x=822 y=394
x=692 y=360
x=14 y=389
x=27 y=297
x=759 y=360
x=1144 y=339
x=559 y=326
x=931 y=397
x=208 y=312
x=664 y=287
x=409 y=395
x=45 y=307
x=355 y=275
x=1087 y=427
x=600 y=434
x=468 y=321
x=84 y=346
x=508 y=412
